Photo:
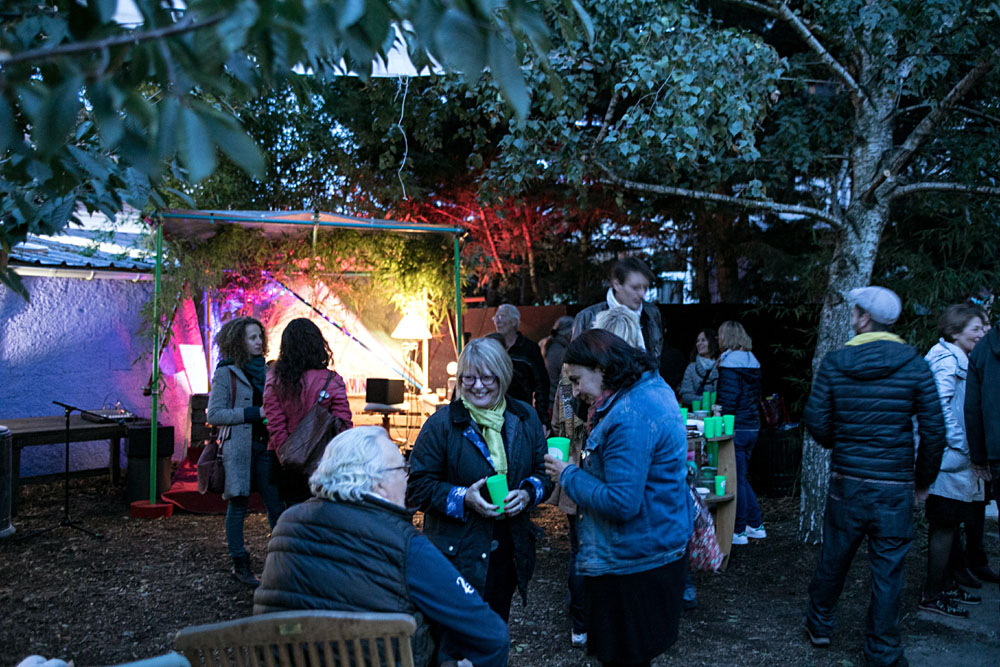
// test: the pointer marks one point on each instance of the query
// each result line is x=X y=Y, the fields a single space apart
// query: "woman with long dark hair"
x=701 y=375
x=300 y=378
x=235 y=405
x=631 y=490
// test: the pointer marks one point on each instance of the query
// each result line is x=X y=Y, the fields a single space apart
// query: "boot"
x=242 y=572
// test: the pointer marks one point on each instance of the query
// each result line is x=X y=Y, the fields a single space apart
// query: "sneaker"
x=956 y=594
x=740 y=538
x=941 y=605
x=578 y=639
x=817 y=640
x=757 y=533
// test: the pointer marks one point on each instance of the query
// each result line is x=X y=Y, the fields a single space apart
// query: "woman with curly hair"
x=301 y=378
x=702 y=374
x=632 y=495
x=235 y=405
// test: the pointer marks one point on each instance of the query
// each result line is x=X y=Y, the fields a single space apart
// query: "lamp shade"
x=411 y=327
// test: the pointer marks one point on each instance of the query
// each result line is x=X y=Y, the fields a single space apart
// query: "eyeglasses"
x=486 y=380
x=405 y=468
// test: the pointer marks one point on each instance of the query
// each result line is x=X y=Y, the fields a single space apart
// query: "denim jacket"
x=634 y=509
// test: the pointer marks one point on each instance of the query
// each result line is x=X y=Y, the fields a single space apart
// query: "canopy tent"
x=202 y=225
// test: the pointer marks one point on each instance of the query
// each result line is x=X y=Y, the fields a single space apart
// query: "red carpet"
x=184 y=494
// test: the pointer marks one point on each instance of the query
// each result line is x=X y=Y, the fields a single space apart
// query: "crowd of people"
x=343 y=537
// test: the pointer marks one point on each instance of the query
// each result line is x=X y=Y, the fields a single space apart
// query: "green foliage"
x=94 y=115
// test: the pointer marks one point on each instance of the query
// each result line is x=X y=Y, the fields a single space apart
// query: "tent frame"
x=283 y=221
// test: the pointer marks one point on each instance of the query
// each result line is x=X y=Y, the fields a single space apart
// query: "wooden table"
x=29 y=431
x=723 y=507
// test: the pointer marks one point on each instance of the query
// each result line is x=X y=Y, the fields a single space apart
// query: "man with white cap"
x=863 y=400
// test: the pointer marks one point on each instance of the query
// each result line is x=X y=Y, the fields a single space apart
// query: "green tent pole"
x=458 y=299
x=156 y=364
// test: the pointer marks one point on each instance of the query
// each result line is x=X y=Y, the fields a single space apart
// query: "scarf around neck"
x=256 y=372
x=491 y=421
x=634 y=314
x=873 y=336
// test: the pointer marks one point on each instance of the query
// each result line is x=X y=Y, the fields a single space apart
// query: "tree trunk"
x=851 y=267
x=531 y=262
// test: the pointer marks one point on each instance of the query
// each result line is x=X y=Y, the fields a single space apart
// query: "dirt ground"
x=101 y=602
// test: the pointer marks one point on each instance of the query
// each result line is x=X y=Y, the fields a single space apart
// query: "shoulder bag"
x=301 y=452
x=211 y=472
x=704 y=554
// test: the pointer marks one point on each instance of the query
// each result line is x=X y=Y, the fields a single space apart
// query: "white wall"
x=76 y=341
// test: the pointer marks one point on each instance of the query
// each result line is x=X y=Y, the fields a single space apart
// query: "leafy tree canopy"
x=94 y=114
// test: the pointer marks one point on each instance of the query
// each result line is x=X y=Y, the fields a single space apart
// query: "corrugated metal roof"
x=82 y=248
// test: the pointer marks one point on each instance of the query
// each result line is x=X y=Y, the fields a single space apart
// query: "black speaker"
x=137 y=442
x=384 y=390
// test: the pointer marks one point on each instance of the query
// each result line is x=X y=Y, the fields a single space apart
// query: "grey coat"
x=235 y=432
x=692 y=387
x=956 y=480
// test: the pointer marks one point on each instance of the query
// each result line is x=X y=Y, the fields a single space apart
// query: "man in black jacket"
x=531 y=378
x=353 y=548
x=982 y=418
x=863 y=399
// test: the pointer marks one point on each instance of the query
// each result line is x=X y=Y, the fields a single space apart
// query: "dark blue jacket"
x=367 y=556
x=634 y=511
x=982 y=399
x=863 y=401
x=449 y=456
x=738 y=389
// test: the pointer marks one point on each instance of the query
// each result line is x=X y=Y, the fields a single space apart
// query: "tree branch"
x=608 y=115
x=978 y=113
x=186 y=24
x=809 y=38
x=756 y=204
x=933 y=186
x=924 y=128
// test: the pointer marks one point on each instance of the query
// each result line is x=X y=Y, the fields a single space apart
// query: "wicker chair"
x=302 y=639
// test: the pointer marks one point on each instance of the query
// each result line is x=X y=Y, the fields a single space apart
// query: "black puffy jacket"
x=863 y=399
x=444 y=458
x=342 y=556
x=982 y=399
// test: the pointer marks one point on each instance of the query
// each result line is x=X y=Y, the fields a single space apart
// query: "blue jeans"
x=260 y=481
x=747 y=509
x=882 y=512
x=575 y=582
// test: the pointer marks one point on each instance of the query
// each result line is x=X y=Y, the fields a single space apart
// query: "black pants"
x=501 y=575
x=882 y=512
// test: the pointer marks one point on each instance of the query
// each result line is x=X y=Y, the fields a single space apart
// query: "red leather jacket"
x=283 y=415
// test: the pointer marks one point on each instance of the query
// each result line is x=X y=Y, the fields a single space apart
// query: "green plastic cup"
x=497 y=487
x=706 y=400
x=720 y=485
x=559 y=448
x=695 y=406
x=714 y=397
x=713 y=454
x=728 y=424
x=684 y=416
x=709 y=427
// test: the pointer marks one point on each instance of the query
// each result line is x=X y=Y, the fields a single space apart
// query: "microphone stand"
x=66 y=522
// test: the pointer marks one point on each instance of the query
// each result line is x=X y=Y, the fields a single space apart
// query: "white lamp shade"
x=411 y=327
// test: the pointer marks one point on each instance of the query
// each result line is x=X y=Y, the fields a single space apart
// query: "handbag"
x=211 y=471
x=301 y=451
x=773 y=410
x=704 y=554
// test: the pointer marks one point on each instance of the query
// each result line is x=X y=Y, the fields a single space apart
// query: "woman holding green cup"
x=482 y=442
x=633 y=499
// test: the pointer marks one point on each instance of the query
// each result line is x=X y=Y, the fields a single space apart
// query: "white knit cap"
x=881 y=303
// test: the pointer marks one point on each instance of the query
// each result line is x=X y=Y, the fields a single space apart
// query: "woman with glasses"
x=480 y=434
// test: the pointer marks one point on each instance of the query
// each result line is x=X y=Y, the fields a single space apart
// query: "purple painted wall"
x=76 y=341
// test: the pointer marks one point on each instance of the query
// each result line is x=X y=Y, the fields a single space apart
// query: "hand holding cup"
x=475 y=501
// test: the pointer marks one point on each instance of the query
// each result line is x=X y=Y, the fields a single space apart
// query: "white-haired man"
x=353 y=548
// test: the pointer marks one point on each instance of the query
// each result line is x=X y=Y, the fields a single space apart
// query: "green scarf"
x=873 y=336
x=491 y=421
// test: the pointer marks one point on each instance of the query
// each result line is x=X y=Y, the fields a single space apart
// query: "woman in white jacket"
x=949 y=503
